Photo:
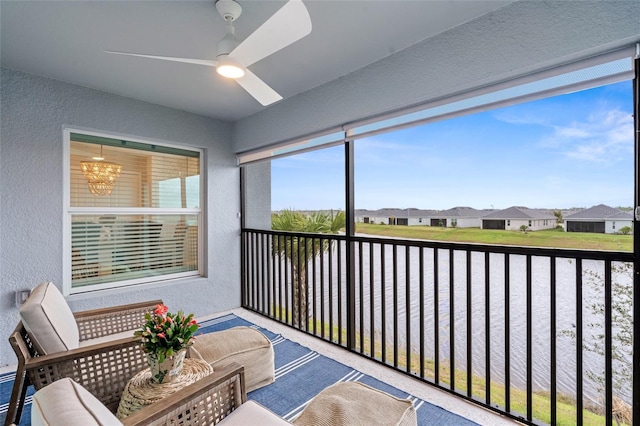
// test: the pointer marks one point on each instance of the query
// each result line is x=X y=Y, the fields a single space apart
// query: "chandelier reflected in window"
x=101 y=175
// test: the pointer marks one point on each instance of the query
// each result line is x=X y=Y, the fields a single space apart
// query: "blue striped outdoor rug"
x=297 y=368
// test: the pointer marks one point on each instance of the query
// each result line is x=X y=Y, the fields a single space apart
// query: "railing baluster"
x=260 y=289
x=452 y=323
x=608 y=345
x=361 y=295
x=263 y=279
x=340 y=293
x=281 y=306
x=421 y=307
x=383 y=300
x=305 y=287
x=243 y=268
x=298 y=283
x=315 y=292
x=469 y=328
x=552 y=338
x=507 y=334
x=290 y=261
x=395 y=305
x=271 y=272
x=529 y=343
x=372 y=306
x=304 y=312
x=407 y=302
x=436 y=318
x=487 y=326
x=254 y=282
x=322 y=319
x=579 y=375
x=331 y=291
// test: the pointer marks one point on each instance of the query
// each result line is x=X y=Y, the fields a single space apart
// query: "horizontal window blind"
x=140 y=225
x=146 y=178
x=113 y=248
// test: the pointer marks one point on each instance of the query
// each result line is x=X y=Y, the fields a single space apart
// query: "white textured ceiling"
x=65 y=40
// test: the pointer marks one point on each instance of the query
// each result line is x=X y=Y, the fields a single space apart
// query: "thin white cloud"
x=517 y=116
x=603 y=137
x=572 y=132
x=387 y=153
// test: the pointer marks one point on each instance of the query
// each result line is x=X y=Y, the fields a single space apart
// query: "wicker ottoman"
x=354 y=403
x=243 y=345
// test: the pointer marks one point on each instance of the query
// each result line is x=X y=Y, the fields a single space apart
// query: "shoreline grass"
x=566 y=413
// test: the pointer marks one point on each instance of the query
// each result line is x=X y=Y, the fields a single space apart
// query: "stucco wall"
x=613 y=226
x=536 y=224
x=34 y=111
x=465 y=222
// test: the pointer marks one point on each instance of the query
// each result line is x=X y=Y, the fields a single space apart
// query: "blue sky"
x=573 y=150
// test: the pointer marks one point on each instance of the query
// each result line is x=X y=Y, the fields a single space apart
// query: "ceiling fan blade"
x=258 y=89
x=206 y=62
x=286 y=26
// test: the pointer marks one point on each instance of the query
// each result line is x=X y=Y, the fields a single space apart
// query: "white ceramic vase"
x=169 y=369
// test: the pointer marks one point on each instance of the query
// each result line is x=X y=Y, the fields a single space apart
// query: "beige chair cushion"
x=65 y=402
x=354 y=403
x=243 y=345
x=252 y=413
x=49 y=321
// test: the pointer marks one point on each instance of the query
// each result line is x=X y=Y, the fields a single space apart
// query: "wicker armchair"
x=102 y=362
x=205 y=402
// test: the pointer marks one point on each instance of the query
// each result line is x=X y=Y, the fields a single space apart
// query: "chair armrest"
x=212 y=398
x=103 y=369
x=115 y=319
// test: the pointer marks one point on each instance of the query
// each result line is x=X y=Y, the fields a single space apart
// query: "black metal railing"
x=527 y=332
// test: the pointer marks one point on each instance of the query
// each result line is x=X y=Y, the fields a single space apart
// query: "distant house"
x=389 y=216
x=599 y=219
x=365 y=216
x=457 y=217
x=385 y=216
x=514 y=218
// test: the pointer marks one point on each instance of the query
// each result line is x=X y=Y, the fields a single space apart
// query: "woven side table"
x=141 y=390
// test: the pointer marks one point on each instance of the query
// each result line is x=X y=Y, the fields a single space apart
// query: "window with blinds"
x=134 y=210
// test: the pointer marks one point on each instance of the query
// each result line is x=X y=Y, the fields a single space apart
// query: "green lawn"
x=555 y=238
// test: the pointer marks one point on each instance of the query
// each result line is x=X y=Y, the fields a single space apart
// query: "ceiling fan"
x=288 y=25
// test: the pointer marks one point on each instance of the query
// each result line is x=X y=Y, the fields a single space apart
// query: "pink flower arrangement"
x=163 y=333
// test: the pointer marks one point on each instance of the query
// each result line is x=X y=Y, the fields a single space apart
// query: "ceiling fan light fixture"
x=230 y=68
x=287 y=25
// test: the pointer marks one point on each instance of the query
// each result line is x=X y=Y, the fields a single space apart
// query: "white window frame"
x=69 y=212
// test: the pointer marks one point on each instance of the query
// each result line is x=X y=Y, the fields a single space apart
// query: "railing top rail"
x=297 y=234
x=614 y=256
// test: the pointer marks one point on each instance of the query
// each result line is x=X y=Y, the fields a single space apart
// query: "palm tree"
x=298 y=251
x=558 y=215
